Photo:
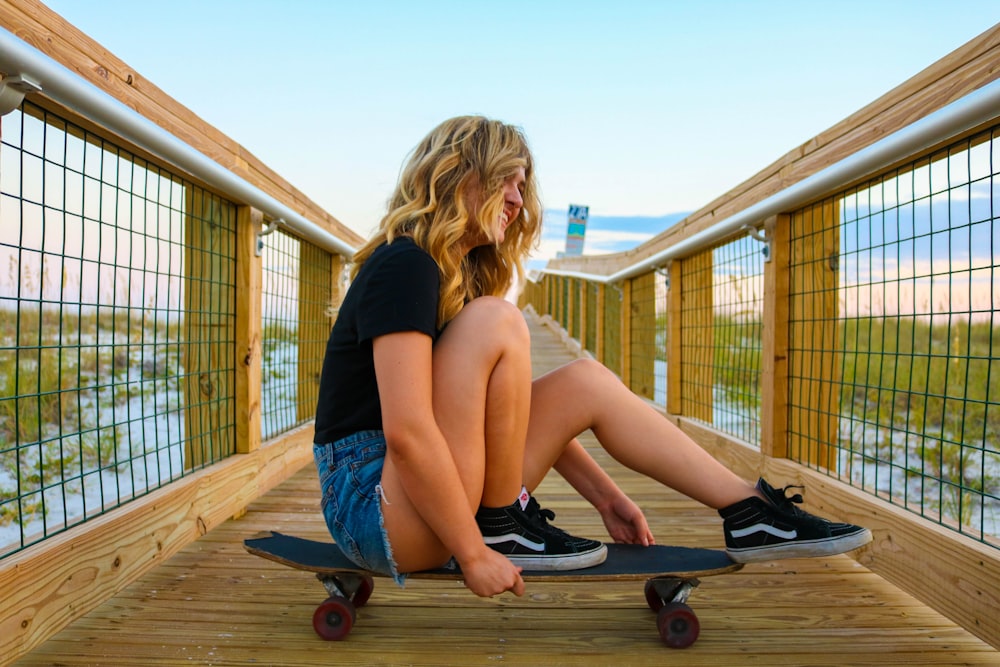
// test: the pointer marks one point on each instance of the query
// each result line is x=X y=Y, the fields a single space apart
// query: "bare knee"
x=584 y=372
x=496 y=318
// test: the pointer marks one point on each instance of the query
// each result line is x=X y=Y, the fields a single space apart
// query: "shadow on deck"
x=214 y=604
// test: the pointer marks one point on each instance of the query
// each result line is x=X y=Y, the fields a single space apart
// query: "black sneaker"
x=757 y=530
x=521 y=532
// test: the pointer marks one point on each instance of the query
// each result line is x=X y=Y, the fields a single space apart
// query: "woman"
x=430 y=433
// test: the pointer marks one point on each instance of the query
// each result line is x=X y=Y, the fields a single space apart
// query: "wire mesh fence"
x=116 y=326
x=296 y=308
x=721 y=337
x=644 y=347
x=894 y=376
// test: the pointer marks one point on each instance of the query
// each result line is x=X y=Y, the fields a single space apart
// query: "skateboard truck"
x=676 y=622
x=334 y=619
x=671 y=589
x=349 y=586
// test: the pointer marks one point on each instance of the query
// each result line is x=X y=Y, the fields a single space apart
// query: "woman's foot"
x=521 y=531
x=759 y=530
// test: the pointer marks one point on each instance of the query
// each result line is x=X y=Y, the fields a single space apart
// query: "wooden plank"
x=642 y=313
x=814 y=364
x=314 y=299
x=209 y=327
x=249 y=222
x=774 y=355
x=697 y=340
x=955 y=575
x=572 y=309
x=213 y=604
x=55 y=582
x=625 y=319
x=612 y=328
x=598 y=318
x=675 y=350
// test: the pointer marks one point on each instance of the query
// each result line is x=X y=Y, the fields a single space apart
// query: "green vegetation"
x=936 y=388
x=277 y=337
x=737 y=362
x=65 y=382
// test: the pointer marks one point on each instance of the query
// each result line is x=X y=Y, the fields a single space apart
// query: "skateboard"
x=670 y=573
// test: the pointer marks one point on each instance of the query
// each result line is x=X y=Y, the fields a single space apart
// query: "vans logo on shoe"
x=520 y=539
x=765 y=528
x=523 y=498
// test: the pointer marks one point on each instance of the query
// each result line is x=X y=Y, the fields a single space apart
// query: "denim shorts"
x=350 y=475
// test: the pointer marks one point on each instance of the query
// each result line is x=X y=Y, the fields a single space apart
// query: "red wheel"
x=678 y=625
x=334 y=619
x=653 y=598
x=365 y=589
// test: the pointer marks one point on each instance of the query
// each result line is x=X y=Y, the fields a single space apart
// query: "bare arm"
x=425 y=464
x=622 y=517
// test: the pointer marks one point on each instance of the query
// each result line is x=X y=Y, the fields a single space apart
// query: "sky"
x=634 y=108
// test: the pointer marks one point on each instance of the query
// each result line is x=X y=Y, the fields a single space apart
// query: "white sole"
x=802 y=549
x=564 y=562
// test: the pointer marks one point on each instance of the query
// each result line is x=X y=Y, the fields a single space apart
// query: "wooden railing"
x=793 y=352
x=161 y=353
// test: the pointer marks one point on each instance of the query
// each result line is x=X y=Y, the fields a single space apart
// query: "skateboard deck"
x=670 y=573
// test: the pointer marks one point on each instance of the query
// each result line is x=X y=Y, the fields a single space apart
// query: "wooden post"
x=626 y=332
x=774 y=329
x=813 y=413
x=550 y=295
x=210 y=323
x=558 y=301
x=674 y=346
x=697 y=339
x=314 y=297
x=613 y=329
x=599 y=321
x=249 y=222
x=571 y=307
x=642 y=312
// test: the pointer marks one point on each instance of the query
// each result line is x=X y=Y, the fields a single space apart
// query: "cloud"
x=603 y=241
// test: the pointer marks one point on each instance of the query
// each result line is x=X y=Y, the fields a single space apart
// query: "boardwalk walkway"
x=213 y=604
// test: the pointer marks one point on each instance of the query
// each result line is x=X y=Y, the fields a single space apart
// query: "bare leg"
x=585 y=395
x=481 y=387
x=482 y=394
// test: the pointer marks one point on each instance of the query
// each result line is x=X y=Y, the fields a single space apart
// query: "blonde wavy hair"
x=463 y=159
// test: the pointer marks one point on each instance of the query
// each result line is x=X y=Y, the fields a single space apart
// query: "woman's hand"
x=491 y=573
x=625 y=522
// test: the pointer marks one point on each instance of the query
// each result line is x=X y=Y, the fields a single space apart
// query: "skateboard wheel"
x=334 y=619
x=653 y=598
x=677 y=624
x=365 y=589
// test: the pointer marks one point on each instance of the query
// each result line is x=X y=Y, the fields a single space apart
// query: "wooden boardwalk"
x=214 y=604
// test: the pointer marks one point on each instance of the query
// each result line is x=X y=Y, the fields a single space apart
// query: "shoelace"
x=788 y=503
x=542 y=516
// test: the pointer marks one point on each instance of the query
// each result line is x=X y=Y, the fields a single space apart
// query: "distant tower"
x=576 y=230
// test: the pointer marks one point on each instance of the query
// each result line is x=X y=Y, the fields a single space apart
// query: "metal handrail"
x=29 y=70
x=972 y=110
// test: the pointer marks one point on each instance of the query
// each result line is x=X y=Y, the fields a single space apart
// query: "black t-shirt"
x=395 y=290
